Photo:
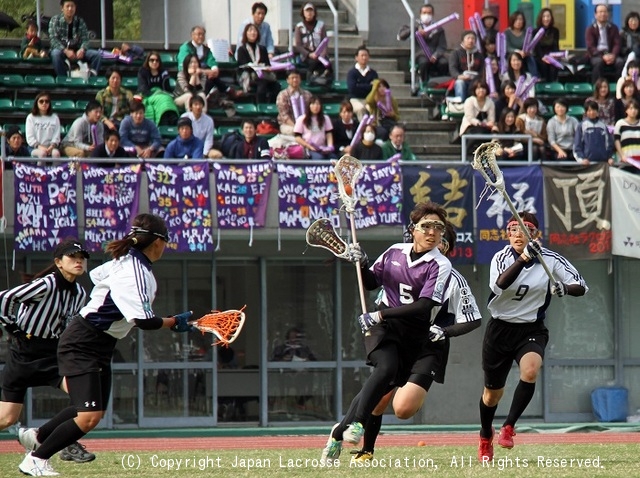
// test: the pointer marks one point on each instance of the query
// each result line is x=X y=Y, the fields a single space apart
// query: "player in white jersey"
x=413 y=278
x=520 y=294
x=121 y=299
x=458 y=315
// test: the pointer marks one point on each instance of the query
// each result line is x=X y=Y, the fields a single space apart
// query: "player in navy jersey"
x=35 y=314
x=121 y=299
x=458 y=315
x=520 y=295
x=413 y=278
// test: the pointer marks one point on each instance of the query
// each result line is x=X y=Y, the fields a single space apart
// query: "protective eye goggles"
x=425 y=225
x=444 y=246
x=514 y=228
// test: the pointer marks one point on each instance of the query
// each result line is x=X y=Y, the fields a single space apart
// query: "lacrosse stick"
x=348 y=169
x=322 y=234
x=484 y=160
x=226 y=325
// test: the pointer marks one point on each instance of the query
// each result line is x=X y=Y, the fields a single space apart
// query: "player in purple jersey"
x=520 y=295
x=413 y=277
x=458 y=315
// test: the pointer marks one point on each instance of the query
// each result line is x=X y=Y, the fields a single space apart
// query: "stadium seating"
x=40 y=81
x=578 y=89
x=9 y=56
x=331 y=109
x=23 y=104
x=268 y=109
x=6 y=104
x=130 y=82
x=63 y=105
x=246 y=109
x=168 y=132
x=70 y=82
x=554 y=89
x=11 y=80
x=577 y=111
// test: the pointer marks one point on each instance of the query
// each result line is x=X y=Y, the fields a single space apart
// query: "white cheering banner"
x=625 y=213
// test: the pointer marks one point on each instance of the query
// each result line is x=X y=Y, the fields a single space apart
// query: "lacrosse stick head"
x=348 y=169
x=485 y=161
x=322 y=234
x=225 y=326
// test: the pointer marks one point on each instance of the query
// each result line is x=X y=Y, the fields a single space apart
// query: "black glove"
x=182 y=322
x=15 y=333
x=559 y=289
x=532 y=250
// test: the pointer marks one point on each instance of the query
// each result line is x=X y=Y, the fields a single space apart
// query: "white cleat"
x=28 y=438
x=34 y=466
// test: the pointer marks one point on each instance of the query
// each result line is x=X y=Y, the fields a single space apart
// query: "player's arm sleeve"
x=569 y=275
x=460 y=329
x=154 y=323
x=420 y=308
x=511 y=273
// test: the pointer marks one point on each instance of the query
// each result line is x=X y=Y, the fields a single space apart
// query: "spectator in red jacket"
x=603 y=45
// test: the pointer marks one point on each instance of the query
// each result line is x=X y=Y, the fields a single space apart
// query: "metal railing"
x=489 y=137
x=336 y=34
x=412 y=39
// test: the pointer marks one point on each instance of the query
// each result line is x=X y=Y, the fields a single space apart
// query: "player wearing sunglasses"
x=520 y=295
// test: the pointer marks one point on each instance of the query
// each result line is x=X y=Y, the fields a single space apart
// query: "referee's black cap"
x=68 y=247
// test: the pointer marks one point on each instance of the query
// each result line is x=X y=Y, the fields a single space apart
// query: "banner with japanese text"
x=180 y=194
x=46 y=206
x=453 y=189
x=242 y=193
x=525 y=188
x=579 y=205
x=625 y=213
x=111 y=197
x=379 y=188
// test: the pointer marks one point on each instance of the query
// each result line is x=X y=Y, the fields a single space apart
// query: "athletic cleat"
x=505 y=439
x=353 y=433
x=332 y=449
x=34 y=466
x=78 y=453
x=485 y=448
x=362 y=456
x=28 y=438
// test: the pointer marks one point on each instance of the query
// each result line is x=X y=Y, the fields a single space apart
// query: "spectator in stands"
x=383 y=107
x=515 y=36
x=140 y=136
x=86 y=132
x=207 y=62
x=43 y=128
x=253 y=146
x=603 y=45
x=344 y=127
x=152 y=75
x=31 y=44
x=630 y=36
x=203 y=126
x=479 y=113
x=396 y=147
x=465 y=63
x=258 y=13
x=593 y=142
x=531 y=123
x=606 y=103
x=561 y=131
x=366 y=148
x=508 y=98
x=15 y=143
x=629 y=92
x=511 y=149
x=185 y=145
x=549 y=42
x=286 y=113
x=437 y=64
x=190 y=81
x=258 y=74
x=154 y=86
x=627 y=133
x=489 y=47
x=490 y=23
x=313 y=131
x=515 y=70
x=69 y=39
x=114 y=98
x=632 y=73
x=110 y=148
x=308 y=34
x=359 y=79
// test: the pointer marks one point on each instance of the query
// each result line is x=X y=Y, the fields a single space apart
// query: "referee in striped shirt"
x=35 y=315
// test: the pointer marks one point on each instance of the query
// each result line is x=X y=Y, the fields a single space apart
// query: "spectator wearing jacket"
x=139 y=135
x=186 y=145
x=603 y=44
x=253 y=146
x=86 y=132
x=593 y=142
x=286 y=116
x=203 y=126
x=359 y=79
x=437 y=64
x=465 y=63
